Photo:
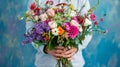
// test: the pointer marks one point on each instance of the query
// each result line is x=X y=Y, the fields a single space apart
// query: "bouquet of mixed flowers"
x=59 y=25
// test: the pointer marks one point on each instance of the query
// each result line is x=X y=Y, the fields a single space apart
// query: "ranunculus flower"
x=75 y=23
x=52 y=24
x=37 y=11
x=73 y=32
x=33 y=6
x=55 y=31
x=43 y=17
x=87 y=22
x=92 y=17
x=50 y=12
x=96 y=22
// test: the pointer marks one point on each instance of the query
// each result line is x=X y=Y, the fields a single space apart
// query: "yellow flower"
x=71 y=7
x=28 y=13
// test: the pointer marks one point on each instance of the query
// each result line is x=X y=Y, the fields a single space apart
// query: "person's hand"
x=69 y=53
x=57 y=52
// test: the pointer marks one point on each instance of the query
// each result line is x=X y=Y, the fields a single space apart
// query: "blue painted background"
x=103 y=50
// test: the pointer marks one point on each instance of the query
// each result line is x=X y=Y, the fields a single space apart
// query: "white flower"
x=72 y=13
x=36 y=18
x=87 y=22
x=80 y=28
x=52 y=24
x=55 y=31
x=43 y=17
x=75 y=23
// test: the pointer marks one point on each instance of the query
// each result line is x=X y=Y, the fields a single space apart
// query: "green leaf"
x=77 y=41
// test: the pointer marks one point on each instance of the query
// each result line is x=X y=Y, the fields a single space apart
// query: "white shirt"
x=46 y=60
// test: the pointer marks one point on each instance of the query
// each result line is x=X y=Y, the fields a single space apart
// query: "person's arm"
x=84 y=11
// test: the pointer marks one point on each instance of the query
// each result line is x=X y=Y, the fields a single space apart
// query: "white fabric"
x=46 y=60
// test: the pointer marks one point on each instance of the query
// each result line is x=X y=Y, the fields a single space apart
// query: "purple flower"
x=39 y=37
x=38 y=28
x=41 y=27
x=27 y=41
x=47 y=28
x=37 y=33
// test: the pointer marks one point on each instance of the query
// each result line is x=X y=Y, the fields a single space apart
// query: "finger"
x=69 y=55
x=58 y=55
x=59 y=47
x=70 y=58
x=59 y=51
x=69 y=51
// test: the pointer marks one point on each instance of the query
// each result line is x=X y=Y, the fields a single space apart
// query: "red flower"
x=96 y=22
x=92 y=17
x=37 y=11
x=102 y=19
x=80 y=19
x=61 y=4
x=33 y=6
x=49 y=2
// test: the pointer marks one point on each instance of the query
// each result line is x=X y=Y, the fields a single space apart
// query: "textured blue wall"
x=103 y=50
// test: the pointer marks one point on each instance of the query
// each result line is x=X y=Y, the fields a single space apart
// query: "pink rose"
x=75 y=23
x=50 y=12
x=92 y=17
x=43 y=17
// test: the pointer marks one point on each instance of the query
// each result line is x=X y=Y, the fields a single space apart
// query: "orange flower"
x=47 y=38
x=60 y=30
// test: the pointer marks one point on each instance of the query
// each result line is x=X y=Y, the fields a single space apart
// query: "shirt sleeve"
x=84 y=9
x=88 y=38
